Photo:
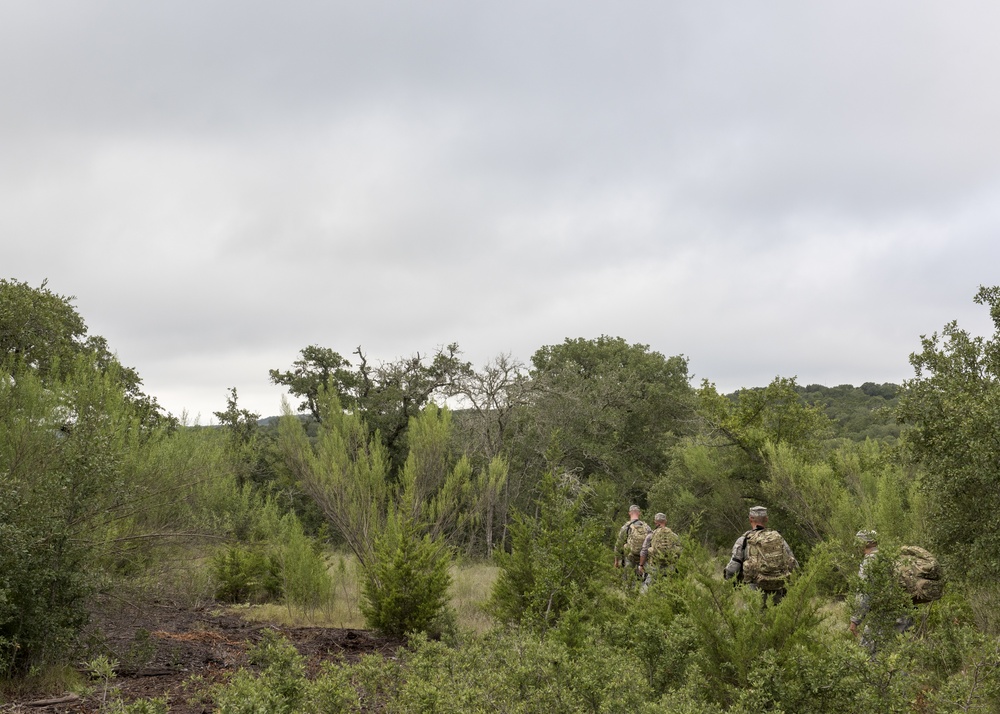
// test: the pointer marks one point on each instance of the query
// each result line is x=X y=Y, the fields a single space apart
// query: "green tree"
x=718 y=471
x=752 y=418
x=857 y=413
x=405 y=587
x=241 y=424
x=318 y=368
x=385 y=395
x=41 y=332
x=953 y=405
x=615 y=409
x=492 y=397
x=70 y=479
x=345 y=471
x=39 y=329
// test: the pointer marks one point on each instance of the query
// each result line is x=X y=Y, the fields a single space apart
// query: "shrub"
x=305 y=580
x=278 y=689
x=405 y=589
x=557 y=562
x=247 y=574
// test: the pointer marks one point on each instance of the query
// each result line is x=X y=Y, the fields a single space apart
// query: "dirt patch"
x=161 y=647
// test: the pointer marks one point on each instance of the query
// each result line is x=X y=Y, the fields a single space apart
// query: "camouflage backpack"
x=636 y=536
x=664 y=547
x=920 y=574
x=765 y=562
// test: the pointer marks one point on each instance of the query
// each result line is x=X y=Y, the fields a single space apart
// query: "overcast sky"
x=771 y=188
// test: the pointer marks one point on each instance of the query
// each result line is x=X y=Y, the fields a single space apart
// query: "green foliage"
x=953 y=404
x=42 y=333
x=808 y=492
x=436 y=489
x=556 y=564
x=39 y=328
x=696 y=491
x=884 y=493
x=858 y=413
x=385 y=396
x=305 y=580
x=734 y=629
x=717 y=474
x=344 y=471
x=246 y=574
x=280 y=688
x=406 y=586
x=615 y=408
x=881 y=598
x=284 y=563
x=317 y=369
x=492 y=397
x=751 y=418
x=691 y=644
x=67 y=455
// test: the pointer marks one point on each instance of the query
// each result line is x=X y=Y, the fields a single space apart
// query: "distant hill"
x=858 y=413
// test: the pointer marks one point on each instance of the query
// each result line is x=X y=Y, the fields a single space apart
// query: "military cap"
x=758 y=512
x=869 y=536
x=660 y=517
x=634 y=507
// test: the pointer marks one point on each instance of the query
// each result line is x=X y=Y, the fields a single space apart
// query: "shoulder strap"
x=743 y=550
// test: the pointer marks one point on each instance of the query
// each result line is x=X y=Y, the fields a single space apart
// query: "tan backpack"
x=765 y=562
x=664 y=547
x=920 y=574
x=636 y=536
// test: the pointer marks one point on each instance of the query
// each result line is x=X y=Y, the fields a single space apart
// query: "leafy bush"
x=65 y=450
x=279 y=688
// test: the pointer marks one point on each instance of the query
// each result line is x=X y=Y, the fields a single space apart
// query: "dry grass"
x=470 y=588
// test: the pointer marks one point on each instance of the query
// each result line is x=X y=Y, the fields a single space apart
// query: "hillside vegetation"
x=530 y=467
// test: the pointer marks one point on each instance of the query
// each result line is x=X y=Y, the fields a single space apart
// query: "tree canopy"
x=953 y=405
x=612 y=409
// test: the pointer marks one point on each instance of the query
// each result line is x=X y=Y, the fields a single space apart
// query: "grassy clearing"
x=470 y=588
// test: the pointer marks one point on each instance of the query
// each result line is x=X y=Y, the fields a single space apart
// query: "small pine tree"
x=556 y=561
x=406 y=586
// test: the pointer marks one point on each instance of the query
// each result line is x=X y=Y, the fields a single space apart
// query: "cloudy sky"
x=769 y=188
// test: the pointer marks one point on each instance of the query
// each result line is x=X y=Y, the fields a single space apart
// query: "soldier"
x=660 y=551
x=761 y=558
x=869 y=638
x=630 y=539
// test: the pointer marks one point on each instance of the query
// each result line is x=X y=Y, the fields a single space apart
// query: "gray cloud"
x=771 y=189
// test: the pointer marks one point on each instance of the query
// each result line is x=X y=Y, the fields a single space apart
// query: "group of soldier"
x=648 y=552
x=761 y=559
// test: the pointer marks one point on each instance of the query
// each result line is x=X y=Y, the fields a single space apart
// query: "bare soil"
x=161 y=647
